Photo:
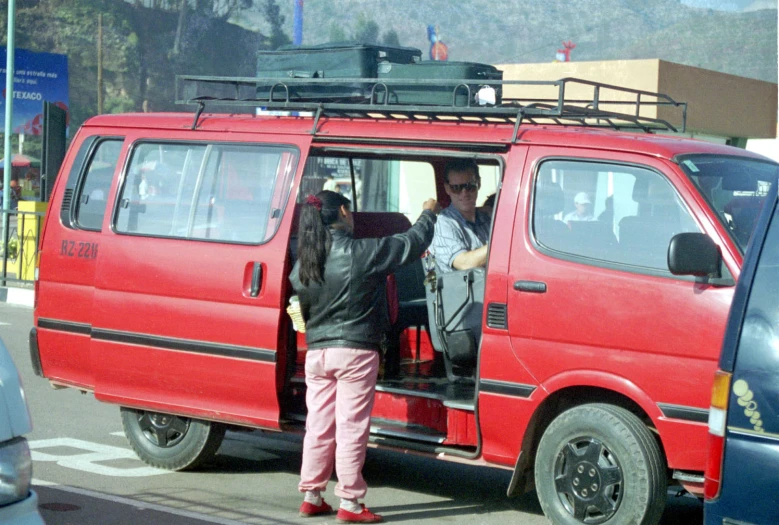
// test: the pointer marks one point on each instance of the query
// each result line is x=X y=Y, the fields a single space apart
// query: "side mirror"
x=694 y=254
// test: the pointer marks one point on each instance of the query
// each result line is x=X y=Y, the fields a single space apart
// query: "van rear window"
x=217 y=192
x=96 y=183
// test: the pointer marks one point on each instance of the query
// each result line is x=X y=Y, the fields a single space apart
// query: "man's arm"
x=472 y=259
x=450 y=247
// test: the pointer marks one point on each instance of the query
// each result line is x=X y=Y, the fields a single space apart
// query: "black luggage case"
x=327 y=61
x=443 y=94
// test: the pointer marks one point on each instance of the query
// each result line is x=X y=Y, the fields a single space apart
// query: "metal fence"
x=19 y=247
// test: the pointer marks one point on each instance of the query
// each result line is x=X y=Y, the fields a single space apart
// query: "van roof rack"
x=603 y=105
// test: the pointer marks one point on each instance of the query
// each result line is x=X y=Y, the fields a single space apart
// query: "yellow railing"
x=24 y=227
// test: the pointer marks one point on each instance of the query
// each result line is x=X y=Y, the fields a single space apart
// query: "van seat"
x=410 y=279
x=593 y=239
x=379 y=224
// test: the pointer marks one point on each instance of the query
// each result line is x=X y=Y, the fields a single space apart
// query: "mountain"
x=741 y=43
x=736 y=43
x=141 y=59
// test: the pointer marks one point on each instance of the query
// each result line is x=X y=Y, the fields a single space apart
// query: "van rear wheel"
x=171 y=442
x=599 y=464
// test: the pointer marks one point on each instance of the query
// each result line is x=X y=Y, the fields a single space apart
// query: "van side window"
x=91 y=204
x=219 y=192
x=613 y=213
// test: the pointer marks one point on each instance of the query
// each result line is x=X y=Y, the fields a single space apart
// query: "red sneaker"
x=309 y=509
x=366 y=516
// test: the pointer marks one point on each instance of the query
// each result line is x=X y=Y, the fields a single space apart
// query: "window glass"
x=96 y=184
x=758 y=347
x=613 y=213
x=205 y=191
x=382 y=185
x=734 y=187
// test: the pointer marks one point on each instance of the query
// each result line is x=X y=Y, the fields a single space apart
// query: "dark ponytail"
x=314 y=237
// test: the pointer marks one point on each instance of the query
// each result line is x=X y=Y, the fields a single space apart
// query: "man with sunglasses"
x=462 y=231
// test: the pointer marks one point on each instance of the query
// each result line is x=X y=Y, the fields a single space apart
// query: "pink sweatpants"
x=340 y=386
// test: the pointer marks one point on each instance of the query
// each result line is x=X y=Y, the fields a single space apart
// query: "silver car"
x=18 y=504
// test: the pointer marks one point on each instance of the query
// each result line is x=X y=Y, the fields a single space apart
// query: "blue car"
x=742 y=476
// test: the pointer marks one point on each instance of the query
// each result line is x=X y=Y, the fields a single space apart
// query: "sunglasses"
x=469 y=186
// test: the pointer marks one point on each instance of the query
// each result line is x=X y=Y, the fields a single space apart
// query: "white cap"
x=581 y=198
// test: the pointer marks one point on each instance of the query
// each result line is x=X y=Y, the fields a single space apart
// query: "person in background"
x=143 y=187
x=462 y=231
x=341 y=287
x=15 y=194
x=330 y=183
x=488 y=205
x=583 y=211
x=607 y=215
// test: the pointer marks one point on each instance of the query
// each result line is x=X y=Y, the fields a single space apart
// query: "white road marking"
x=4 y=324
x=88 y=460
x=42 y=483
x=139 y=504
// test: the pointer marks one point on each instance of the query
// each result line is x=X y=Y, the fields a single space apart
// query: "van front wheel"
x=599 y=464
x=171 y=442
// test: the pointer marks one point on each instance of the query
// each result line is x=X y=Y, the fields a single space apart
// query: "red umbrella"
x=18 y=161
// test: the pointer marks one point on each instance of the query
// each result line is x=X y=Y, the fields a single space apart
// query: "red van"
x=581 y=357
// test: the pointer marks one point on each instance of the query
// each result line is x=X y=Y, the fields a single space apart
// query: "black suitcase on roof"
x=327 y=61
x=442 y=94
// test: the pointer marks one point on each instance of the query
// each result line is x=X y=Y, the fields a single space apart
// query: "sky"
x=732 y=5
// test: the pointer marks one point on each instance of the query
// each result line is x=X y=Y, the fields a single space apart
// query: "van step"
x=394 y=429
x=384 y=428
x=425 y=448
x=690 y=477
x=453 y=395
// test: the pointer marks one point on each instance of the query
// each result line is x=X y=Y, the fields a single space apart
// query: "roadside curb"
x=17 y=296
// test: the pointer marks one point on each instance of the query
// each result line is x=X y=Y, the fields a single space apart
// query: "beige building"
x=720 y=107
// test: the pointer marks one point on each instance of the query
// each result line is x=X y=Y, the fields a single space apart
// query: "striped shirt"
x=455 y=235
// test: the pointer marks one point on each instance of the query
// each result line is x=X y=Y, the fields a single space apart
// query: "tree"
x=366 y=30
x=390 y=38
x=274 y=17
x=223 y=9
x=337 y=33
x=180 y=27
x=219 y=9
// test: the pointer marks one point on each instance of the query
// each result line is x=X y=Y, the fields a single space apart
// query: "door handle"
x=256 y=279
x=530 y=286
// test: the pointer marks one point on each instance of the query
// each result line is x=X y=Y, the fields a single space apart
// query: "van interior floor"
x=418 y=379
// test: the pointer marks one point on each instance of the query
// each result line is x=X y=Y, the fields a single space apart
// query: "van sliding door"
x=189 y=301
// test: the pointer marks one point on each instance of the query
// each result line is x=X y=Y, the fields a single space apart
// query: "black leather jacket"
x=349 y=310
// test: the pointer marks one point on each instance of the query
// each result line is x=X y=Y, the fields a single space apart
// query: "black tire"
x=607 y=449
x=171 y=442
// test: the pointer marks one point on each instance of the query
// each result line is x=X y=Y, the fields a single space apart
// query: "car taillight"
x=717 y=421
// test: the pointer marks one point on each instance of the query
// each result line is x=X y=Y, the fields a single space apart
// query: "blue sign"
x=38 y=78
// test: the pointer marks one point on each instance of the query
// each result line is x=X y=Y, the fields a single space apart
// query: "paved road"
x=86 y=474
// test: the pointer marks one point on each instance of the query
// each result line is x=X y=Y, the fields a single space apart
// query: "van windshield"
x=735 y=188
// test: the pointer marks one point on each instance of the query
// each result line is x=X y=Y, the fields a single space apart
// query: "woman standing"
x=341 y=285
